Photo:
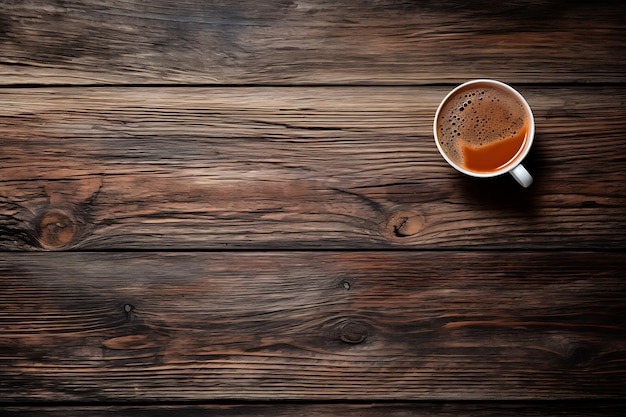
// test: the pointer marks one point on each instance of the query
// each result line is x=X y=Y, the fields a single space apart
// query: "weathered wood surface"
x=312 y=326
x=129 y=127
x=353 y=167
x=415 y=409
x=310 y=41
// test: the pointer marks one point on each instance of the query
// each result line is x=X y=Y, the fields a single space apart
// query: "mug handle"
x=522 y=176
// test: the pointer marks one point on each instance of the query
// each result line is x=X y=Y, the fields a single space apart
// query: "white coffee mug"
x=515 y=168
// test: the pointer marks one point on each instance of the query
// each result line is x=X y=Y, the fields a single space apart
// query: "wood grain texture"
x=312 y=326
x=415 y=409
x=183 y=157
x=310 y=41
x=349 y=167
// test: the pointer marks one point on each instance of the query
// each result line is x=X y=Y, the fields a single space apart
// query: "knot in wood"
x=578 y=354
x=405 y=224
x=353 y=332
x=56 y=229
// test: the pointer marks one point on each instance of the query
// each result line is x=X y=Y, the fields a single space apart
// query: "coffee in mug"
x=485 y=128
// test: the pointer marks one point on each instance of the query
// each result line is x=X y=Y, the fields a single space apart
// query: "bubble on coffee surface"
x=478 y=115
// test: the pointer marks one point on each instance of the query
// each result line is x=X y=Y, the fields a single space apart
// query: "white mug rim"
x=529 y=140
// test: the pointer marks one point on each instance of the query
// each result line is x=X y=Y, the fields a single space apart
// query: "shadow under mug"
x=514 y=167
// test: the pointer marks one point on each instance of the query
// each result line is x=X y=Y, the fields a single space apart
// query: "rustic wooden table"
x=237 y=208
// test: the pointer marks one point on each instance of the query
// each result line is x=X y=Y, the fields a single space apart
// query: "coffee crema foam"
x=479 y=115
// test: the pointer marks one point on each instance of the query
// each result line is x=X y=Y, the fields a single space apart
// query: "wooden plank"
x=353 y=167
x=310 y=42
x=443 y=325
x=415 y=409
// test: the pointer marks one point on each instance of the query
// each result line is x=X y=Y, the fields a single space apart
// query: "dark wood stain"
x=313 y=41
x=490 y=325
x=392 y=409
